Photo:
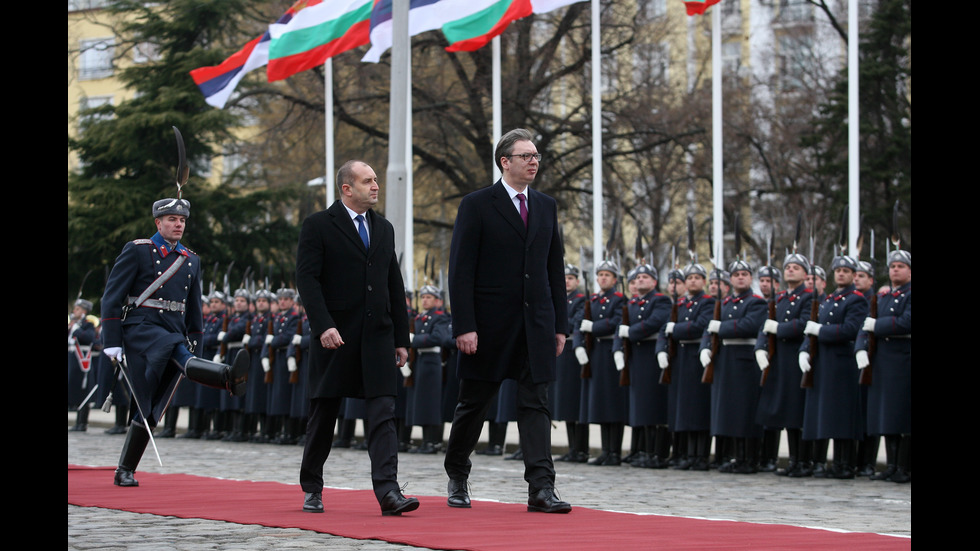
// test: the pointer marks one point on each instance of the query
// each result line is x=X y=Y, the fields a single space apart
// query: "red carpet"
x=488 y=526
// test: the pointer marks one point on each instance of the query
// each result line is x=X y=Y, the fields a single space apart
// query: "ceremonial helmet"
x=572 y=270
x=218 y=295
x=178 y=205
x=900 y=255
x=645 y=269
x=739 y=265
x=85 y=304
x=243 y=293
x=722 y=275
x=770 y=272
x=844 y=261
x=695 y=268
x=608 y=266
x=866 y=267
x=264 y=293
x=819 y=272
x=675 y=275
x=286 y=292
x=431 y=290
x=799 y=260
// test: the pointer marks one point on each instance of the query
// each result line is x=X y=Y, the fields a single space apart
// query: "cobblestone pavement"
x=849 y=505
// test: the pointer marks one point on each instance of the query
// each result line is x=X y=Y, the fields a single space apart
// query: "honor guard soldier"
x=647 y=314
x=782 y=401
x=229 y=345
x=297 y=362
x=257 y=394
x=867 y=450
x=890 y=394
x=568 y=380
x=208 y=400
x=424 y=406
x=277 y=342
x=608 y=402
x=152 y=311
x=735 y=390
x=693 y=403
x=833 y=405
x=768 y=281
x=81 y=336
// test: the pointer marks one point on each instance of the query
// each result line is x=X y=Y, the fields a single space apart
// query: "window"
x=96 y=58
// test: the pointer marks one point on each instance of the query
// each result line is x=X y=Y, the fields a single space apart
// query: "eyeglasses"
x=526 y=157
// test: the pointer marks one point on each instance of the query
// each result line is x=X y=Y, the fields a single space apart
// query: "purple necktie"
x=522 y=199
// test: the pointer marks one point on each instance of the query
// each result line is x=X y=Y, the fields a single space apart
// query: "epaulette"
x=144 y=242
x=758 y=296
x=618 y=294
x=439 y=312
x=858 y=293
x=580 y=295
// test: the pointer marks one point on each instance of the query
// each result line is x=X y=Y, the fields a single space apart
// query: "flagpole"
x=596 y=142
x=328 y=127
x=853 y=130
x=395 y=185
x=717 y=171
x=409 y=259
x=496 y=99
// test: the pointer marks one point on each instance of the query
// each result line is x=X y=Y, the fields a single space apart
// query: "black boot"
x=604 y=429
x=581 y=443
x=81 y=419
x=570 y=435
x=678 y=448
x=793 y=441
x=820 y=458
x=769 y=451
x=659 y=447
x=903 y=471
x=216 y=375
x=892 y=443
x=136 y=439
x=616 y=431
x=170 y=423
x=638 y=445
x=193 y=424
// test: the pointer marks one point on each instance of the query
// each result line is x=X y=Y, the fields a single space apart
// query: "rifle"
x=223 y=347
x=589 y=339
x=624 y=375
x=294 y=376
x=771 y=340
x=272 y=354
x=409 y=381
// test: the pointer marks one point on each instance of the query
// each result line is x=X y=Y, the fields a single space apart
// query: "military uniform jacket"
x=507 y=283
x=735 y=391
x=361 y=294
x=782 y=400
x=608 y=402
x=648 y=398
x=833 y=405
x=256 y=391
x=689 y=401
x=81 y=336
x=148 y=335
x=425 y=398
x=284 y=325
x=568 y=381
x=890 y=395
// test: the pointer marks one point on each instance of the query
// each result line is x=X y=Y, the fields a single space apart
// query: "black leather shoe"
x=459 y=494
x=491 y=449
x=394 y=504
x=313 y=503
x=516 y=456
x=124 y=477
x=545 y=501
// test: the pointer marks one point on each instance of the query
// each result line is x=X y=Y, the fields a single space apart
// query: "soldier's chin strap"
x=132 y=391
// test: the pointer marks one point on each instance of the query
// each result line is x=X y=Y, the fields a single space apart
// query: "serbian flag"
x=423 y=15
x=485 y=20
x=218 y=82
x=318 y=32
x=698 y=7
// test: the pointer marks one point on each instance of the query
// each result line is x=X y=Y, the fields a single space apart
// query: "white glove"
x=114 y=353
x=586 y=326
x=705 y=357
x=406 y=371
x=265 y=365
x=71 y=341
x=714 y=326
x=268 y=339
x=221 y=336
x=624 y=331
x=762 y=358
x=581 y=355
x=411 y=337
x=812 y=328
x=245 y=338
x=804 y=361
x=862 y=358
x=670 y=328
x=771 y=326
x=663 y=360
x=297 y=340
x=869 y=325
x=619 y=359
x=291 y=364
x=217 y=358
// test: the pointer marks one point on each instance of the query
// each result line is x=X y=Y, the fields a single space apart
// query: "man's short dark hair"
x=506 y=144
x=345 y=175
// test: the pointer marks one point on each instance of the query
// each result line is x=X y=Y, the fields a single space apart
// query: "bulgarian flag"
x=698 y=7
x=485 y=19
x=218 y=82
x=322 y=30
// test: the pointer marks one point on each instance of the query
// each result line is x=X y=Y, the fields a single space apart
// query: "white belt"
x=738 y=342
x=434 y=349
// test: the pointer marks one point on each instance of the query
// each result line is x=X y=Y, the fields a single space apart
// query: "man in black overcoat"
x=348 y=276
x=507 y=288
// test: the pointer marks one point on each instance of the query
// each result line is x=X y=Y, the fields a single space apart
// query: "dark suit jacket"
x=502 y=277
x=358 y=292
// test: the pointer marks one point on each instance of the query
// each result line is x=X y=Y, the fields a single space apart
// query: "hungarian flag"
x=316 y=33
x=698 y=7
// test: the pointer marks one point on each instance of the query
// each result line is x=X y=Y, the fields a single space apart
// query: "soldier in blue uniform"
x=735 y=391
x=867 y=449
x=424 y=405
x=152 y=309
x=229 y=345
x=284 y=325
x=890 y=395
x=568 y=380
x=81 y=377
x=297 y=362
x=782 y=400
x=257 y=394
x=208 y=400
x=833 y=405
x=647 y=312
x=608 y=402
